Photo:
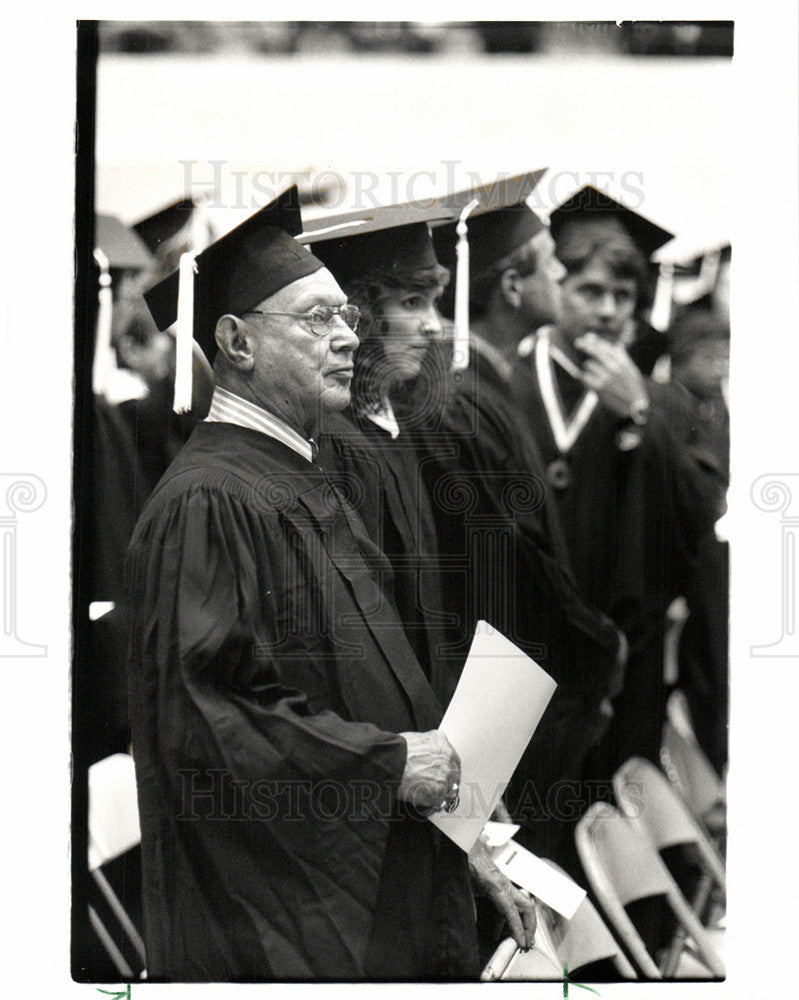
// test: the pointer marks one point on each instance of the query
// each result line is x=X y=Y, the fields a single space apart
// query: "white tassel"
x=184 y=334
x=460 y=346
x=688 y=290
x=660 y=317
x=104 y=361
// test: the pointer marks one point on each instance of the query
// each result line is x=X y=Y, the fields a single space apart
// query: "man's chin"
x=336 y=399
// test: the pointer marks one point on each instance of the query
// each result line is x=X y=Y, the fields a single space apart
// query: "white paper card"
x=498 y=703
x=546 y=883
x=498 y=834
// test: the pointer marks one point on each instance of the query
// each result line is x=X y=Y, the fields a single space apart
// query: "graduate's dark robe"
x=704 y=645
x=381 y=477
x=269 y=681
x=133 y=443
x=631 y=519
x=505 y=561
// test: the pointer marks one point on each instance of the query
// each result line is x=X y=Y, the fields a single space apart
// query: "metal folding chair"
x=623 y=866
x=650 y=802
x=559 y=944
x=113 y=830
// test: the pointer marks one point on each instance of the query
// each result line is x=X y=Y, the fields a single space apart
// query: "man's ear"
x=235 y=340
x=509 y=286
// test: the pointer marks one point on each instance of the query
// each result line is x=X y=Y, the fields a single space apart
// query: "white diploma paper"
x=498 y=703
x=546 y=883
x=498 y=834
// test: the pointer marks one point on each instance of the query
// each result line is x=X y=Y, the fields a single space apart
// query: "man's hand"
x=612 y=374
x=432 y=771
x=515 y=905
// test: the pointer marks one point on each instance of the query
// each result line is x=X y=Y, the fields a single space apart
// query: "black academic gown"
x=704 y=641
x=269 y=681
x=133 y=443
x=504 y=560
x=631 y=519
x=381 y=477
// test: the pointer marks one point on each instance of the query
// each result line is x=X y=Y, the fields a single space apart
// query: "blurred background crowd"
x=421 y=37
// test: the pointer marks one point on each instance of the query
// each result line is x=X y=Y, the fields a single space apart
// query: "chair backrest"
x=686 y=766
x=584 y=939
x=648 y=800
x=559 y=944
x=622 y=866
x=113 y=809
x=538 y=964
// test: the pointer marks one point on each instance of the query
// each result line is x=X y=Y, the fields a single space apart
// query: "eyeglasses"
x=320 y=318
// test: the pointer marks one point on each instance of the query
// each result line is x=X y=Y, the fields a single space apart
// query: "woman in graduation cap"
x=388 y=268
x=392 y=275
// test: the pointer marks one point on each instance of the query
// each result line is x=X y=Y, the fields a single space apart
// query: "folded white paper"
x=498 y=834
x=498 y=703
x=542 y=880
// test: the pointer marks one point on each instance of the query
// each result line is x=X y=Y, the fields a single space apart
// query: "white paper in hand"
x=499 y=701
x=546 y=883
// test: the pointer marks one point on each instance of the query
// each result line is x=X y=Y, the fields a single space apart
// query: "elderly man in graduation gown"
x=284 y=733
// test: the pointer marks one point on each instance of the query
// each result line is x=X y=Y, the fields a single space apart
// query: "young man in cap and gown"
x=512 y=290
x=631 y=495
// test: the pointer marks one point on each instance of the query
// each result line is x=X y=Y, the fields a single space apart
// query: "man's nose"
x=343 y=337
x=607 y=305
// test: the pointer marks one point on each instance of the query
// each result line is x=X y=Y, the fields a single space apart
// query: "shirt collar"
x=228 y=408
x=385 y=419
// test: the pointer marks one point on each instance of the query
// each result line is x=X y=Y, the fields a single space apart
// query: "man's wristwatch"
x=629 y=433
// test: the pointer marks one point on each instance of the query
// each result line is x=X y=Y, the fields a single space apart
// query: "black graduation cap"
x=594 y=210
x=500 y=223
x=121 y=246
x=165 y=224
x=244 y=267
x=391 y=239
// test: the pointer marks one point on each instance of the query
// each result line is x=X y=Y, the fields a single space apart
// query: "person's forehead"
x=432 y=291
x=317 y=289
x=599 y=272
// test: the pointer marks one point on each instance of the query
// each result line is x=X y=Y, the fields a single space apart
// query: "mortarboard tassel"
x=104 y=361
x=660 y=316
x=460 y=346
x=184 y=334
x=689 y=291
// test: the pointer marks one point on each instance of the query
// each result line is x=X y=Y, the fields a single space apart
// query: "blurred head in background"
x=700 y=352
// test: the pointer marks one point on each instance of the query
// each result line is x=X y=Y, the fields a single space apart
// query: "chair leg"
x=113 y=952
x=120 y=914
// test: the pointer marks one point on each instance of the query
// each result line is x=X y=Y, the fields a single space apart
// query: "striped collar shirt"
x=228 y=408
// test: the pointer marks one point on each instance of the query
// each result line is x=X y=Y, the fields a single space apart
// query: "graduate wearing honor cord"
x=631 y=495
x=284 y=733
